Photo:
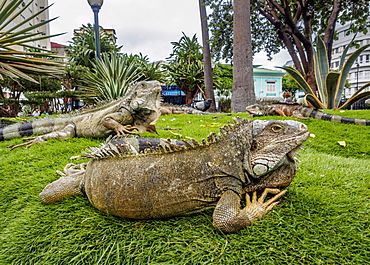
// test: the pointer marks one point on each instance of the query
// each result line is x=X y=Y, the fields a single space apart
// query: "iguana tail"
x=313 y=113
x=37 y=127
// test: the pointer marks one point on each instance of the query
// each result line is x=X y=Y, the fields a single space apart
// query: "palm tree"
x=208 y=78
x=243 y=85
x=20 y=64
x=82 y=48
x=186 y=67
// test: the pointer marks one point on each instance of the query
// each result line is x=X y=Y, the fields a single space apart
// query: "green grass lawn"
x=323 y=219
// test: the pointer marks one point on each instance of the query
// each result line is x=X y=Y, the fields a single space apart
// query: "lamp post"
x=95 y=6
x=358 y=68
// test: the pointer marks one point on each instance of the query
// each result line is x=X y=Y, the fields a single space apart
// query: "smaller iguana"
x=176 y=180
x=167 y=108
x=297 y=111
x=138 y=110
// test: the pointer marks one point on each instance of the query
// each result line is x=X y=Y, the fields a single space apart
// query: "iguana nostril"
x=260 y=169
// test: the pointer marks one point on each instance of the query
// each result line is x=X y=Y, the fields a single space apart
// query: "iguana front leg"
x=279 y=112
x=116 y=120
x=71 y=183
x=228 y=216
x=297 y=114
x=68 y=132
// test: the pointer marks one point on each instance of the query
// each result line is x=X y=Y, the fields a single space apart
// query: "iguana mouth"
x=291 y=154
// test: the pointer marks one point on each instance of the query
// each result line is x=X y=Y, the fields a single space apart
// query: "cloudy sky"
x=146 y=26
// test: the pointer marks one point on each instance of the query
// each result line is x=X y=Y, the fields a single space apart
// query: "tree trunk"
x=330 y=29
x=243 y=85
x=208 y=79
x=189 y=93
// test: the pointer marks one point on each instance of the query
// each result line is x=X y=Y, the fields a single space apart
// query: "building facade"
x=35 y=7
x=267 y=83
x=359 y=74
x=60 y=49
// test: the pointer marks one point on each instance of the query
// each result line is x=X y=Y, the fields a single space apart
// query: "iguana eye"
x=276 y=128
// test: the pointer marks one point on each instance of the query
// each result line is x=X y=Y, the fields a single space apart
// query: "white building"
x=34 y=8
x=359 y=74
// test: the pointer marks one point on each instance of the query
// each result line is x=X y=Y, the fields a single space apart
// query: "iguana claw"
x=31 y=141
x=258 y=208
x=71 y=169
x=127 y=129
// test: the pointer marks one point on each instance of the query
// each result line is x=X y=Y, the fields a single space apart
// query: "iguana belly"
x=151 y=187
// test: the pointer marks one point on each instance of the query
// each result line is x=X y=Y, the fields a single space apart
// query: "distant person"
x=45 y=113
x=36 y=112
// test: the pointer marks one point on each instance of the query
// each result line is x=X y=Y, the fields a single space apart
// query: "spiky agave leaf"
x=299 y=79
x=15 y=63
x=112 y=77
x=344 y=73
x=321 y=69
x=358 y=95
x=330 y=84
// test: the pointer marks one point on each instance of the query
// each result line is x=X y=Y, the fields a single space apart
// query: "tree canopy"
x=288 y=24
x=81 y=51
x=186 y=67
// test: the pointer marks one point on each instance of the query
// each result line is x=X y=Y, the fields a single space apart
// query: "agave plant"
x=112 y=77
x=15 y=63
x=330 y=84
x=115 y=73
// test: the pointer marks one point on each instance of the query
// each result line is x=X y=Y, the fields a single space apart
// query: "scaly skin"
x=297 y=111
x=177 y=180
x=138 y=110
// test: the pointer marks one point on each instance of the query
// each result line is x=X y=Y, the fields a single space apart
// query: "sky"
x=146 y=26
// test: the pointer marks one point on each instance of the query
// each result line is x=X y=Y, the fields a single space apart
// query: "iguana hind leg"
x=71 y=183
x=68 y=132
x=228 y=216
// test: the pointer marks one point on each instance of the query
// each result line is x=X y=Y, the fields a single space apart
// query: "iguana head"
x=256 y=110
x=274 y=143
x=146 y=105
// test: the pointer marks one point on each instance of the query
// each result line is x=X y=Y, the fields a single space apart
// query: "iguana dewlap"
x=178 y=180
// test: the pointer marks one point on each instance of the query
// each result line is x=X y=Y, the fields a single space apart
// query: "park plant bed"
x=323 y=219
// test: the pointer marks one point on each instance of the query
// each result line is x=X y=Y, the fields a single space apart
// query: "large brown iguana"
x=297 y=111
x=178 y=180
x=138 y=110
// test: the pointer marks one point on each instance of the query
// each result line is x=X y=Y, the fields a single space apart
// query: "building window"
x=361 y=61
x=270 y=86
x=367 y=58
x=367 y=74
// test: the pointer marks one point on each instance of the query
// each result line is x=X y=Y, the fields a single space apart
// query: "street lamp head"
x=95 y=2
